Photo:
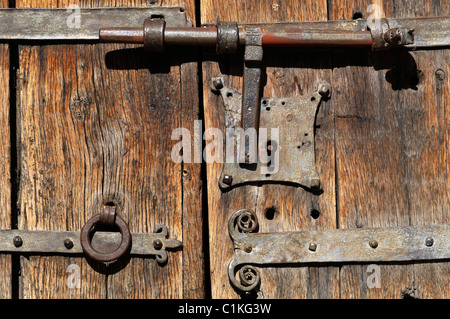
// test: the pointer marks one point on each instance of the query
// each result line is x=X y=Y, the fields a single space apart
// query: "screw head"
x=17 y=241
x=373 y=244
x=312 y=246
x=68 y=243
x=227 y=179
x=247 y=248
x=429 y=241
x=157 y=244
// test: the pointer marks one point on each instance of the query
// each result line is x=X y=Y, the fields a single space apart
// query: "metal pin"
x=312 y=246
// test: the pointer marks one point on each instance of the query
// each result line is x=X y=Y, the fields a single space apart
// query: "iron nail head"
x=429 y=241
x=157 y=244
x=227 y=179
x=17 y=240
x=68 y=243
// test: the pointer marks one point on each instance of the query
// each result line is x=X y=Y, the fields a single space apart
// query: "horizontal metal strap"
x=68 y=242
x=410 y=243
x=428 y=31
x=430 y=242
x=79 y=23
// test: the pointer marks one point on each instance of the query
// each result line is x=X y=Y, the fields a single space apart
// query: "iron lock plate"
x=289 y=156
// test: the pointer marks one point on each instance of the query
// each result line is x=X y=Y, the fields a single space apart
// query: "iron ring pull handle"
x=106 y=217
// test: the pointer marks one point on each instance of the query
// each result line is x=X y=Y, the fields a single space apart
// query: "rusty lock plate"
x=291 y=151
x=410 y=243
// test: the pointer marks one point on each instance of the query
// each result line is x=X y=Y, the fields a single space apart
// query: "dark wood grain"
x=95 y=127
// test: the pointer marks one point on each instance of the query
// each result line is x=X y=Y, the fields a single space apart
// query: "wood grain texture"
x=287 y=74
x=95 y=127
x=5 y=164
x=382 y=152
x=391 y=151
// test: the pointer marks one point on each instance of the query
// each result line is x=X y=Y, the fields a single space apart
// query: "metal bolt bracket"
x=327 y=246
x=293 y=160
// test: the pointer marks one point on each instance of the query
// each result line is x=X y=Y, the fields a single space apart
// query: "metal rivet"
x=289 y=117
x=247 y=248
x=373 y=244
x=324 y=90
x=429 y=241
x=312 y=246
x=68 y=243
x=17 y=241
x=440 y=75
x=218 y=84
x=157 y=244
x=227 y=179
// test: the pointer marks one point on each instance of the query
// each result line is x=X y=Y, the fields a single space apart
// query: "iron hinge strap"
x=391 y=244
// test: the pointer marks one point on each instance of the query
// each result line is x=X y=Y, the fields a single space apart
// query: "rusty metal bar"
x=432 y=31
x=208 y=37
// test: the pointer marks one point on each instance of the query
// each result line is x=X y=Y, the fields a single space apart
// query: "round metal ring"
x=109 y=257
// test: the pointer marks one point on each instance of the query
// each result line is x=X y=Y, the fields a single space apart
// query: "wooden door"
x=93 y=127
x=87 y=124
x=381 y=151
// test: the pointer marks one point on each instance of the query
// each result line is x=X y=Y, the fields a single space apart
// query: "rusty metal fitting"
x=399 y=36
x=253 y=45
x=68 y=243
x=377 y=29
x=85 y=239
x=227 y=37
x=312 y=246
x=429 y=241
x=324 y=89
x=154 y=35
x=227 y=179
x=17 y=240
x=373 y=244
x=108 y=215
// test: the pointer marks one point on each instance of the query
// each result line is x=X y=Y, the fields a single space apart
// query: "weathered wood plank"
x=426 y=132
x=5 y=164
x=95 y=127
x=390 y=154
x=278 y=207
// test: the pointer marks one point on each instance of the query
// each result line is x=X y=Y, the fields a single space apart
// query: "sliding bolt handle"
x=154 y=35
